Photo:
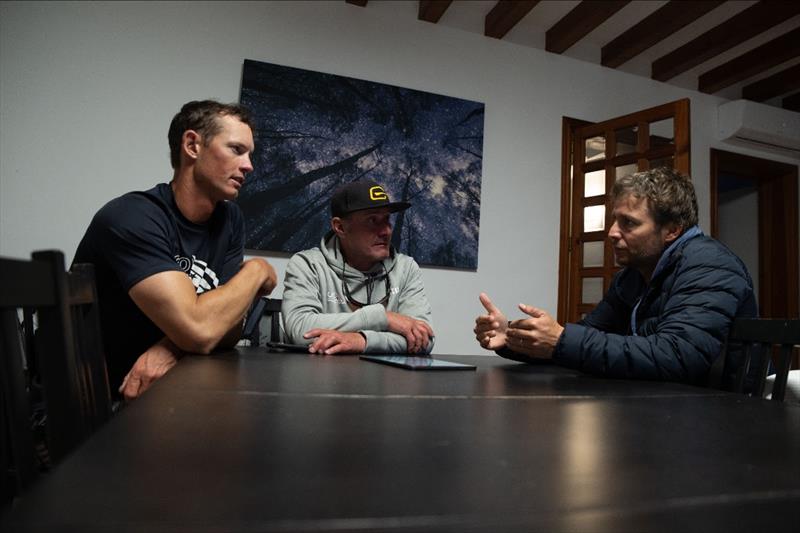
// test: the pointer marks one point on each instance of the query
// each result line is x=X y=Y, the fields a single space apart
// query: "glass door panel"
x=594 y=183
x=599 y=154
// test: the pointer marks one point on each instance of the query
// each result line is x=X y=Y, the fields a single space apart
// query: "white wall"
x=87 y=91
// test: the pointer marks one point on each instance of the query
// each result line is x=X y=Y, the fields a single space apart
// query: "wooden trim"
x=579 y=22
x=576 y=223
x=785 y=81
x=652 y=114
x=505 y=15
x=779 y=263
x=432 y=10
x=736 y=30
x=568 y=126
x=593 y=236
x=791 y=102
x=564 y=222
x=654 y=28
x=713 y=184
x=766 y=56
x=777 y=183
x=682 y=128
x=769 y=272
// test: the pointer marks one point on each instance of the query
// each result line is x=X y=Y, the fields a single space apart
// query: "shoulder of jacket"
x=309 y=256
x=705 y=250
x=404 y=264
x=712 y=257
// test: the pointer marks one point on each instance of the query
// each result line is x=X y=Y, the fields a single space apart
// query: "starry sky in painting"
x=315 y=131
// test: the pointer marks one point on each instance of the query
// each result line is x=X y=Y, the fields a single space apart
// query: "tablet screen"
x=417 y=362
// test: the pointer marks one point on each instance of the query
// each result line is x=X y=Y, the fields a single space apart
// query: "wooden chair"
x=758 y=336
x=18 y=459
x=91 y=362
x=53 y=361
x=264 y=322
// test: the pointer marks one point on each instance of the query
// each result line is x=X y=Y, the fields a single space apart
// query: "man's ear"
x=337 y=224
x=673 y=231
x=190 y=143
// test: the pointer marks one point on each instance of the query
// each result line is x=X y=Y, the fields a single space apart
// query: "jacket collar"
x=667 y=255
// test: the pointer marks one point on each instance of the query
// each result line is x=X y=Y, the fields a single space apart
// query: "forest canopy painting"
x=316 y=131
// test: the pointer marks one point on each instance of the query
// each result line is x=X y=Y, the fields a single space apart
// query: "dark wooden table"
x=289 y=442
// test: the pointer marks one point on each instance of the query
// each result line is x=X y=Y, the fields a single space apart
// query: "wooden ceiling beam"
x=737 y=29
x=783 y=82
x=579 y=22
x=792 y=102
x=654 y=28
x=766 y=56
x=505 y=15
x=432 y=10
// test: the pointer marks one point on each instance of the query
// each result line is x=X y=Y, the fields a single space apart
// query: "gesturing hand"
x=417 y=332
x=490 y=329
x=536 y=336
x=331 y=342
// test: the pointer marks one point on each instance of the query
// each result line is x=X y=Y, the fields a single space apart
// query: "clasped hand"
x=536 y=336
x=416 y=332
x=332 y=342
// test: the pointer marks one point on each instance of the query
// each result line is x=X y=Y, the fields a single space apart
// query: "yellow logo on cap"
x=377 y=193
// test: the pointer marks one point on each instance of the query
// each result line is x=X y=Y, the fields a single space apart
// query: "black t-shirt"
x=143 y=233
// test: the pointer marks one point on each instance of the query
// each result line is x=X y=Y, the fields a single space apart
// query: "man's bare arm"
x=198 y=323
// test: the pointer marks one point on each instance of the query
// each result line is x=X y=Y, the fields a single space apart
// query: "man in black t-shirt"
x=168 y=261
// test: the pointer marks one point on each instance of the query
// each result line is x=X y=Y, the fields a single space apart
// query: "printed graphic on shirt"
x=203 y=278
x=335 y=298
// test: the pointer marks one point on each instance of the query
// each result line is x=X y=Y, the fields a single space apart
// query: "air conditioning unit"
x=759 y=126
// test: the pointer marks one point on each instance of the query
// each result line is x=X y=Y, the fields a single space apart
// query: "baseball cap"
x=364 y=194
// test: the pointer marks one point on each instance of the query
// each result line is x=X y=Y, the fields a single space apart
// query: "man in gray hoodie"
x=355 y=293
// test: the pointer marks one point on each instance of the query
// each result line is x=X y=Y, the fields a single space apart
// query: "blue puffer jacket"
x=681 y=323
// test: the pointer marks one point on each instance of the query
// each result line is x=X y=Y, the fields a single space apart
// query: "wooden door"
x=595 y=156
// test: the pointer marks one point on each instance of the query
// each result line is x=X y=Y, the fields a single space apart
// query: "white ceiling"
x=469 y=15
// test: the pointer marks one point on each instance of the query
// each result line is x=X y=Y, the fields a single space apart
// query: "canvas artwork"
x=316 y=131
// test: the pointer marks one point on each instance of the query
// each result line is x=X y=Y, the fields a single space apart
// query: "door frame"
x=568 y=126
x=777 y=188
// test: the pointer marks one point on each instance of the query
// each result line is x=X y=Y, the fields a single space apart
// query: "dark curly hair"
x=670 y=195
x=201 y=116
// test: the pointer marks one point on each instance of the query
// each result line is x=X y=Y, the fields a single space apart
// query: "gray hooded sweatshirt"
x=313 y=296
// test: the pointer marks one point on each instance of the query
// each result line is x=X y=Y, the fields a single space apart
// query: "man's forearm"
x=199 y=323
x=297 y=322
x=218 y=314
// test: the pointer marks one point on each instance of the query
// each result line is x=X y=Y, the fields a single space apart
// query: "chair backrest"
x=53 y=362
x=95 y=393
x=264 y=322
x=758 y=336
x=18 y=459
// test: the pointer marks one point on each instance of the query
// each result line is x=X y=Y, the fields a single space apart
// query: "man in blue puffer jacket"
x=667 y=313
